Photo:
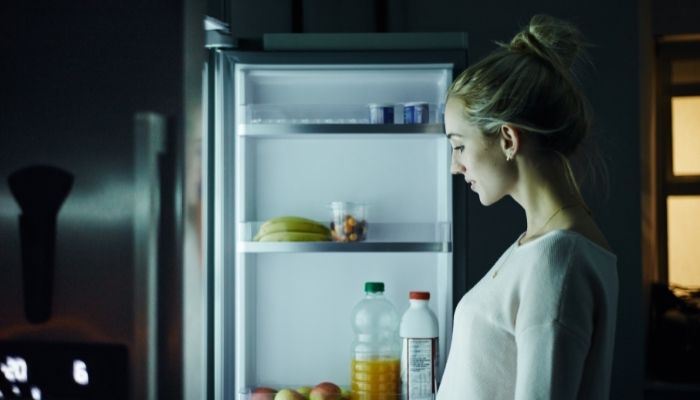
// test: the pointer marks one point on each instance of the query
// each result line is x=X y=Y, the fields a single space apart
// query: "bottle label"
x=419 y=368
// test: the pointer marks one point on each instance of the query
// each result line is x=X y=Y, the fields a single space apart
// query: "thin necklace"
x=551 y=217
x=500 y=265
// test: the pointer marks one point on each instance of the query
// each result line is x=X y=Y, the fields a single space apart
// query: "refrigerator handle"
x=149 y=144
x=39 y=190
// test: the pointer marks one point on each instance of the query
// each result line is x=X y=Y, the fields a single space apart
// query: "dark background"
x=72 y=71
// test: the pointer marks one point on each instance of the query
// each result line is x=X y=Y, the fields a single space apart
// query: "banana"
x=291 y=224
x=294 y=237
x=290 y=218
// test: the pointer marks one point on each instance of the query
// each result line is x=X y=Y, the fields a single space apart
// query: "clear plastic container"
x=348 y=221
x=376 y=348
x=419 y=353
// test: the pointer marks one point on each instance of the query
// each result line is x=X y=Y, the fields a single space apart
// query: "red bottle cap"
x=419 y=295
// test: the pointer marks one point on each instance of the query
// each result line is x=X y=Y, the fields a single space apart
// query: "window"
x=683 y=244
x=676 y=145
x=671 y=219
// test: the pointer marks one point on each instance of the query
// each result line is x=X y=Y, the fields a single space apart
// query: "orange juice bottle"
x=376 y=350
x=377 y=379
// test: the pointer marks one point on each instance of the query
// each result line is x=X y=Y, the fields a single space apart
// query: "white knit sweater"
x=542 y=328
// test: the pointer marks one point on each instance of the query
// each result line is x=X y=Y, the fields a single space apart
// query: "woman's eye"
x=458 y=148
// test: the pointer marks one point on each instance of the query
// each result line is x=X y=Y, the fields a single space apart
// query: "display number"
x=80 y=373
x=14 y=369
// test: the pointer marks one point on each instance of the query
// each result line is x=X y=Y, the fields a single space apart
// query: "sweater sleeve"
x=554 y=326
x=549 y=363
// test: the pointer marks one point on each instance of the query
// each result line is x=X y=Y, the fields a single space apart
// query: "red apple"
x=263 y=393
x=325 y=391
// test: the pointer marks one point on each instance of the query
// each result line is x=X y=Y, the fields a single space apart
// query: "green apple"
x=288 y=394
x=304 y=391
x=345 y=394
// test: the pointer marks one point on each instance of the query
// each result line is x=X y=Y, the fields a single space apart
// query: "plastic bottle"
x=376 y=348
x=419 y=353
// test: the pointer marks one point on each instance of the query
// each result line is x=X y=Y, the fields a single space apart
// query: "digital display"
x=63 y=371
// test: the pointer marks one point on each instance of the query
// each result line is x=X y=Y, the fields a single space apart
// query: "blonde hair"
x=529 y=84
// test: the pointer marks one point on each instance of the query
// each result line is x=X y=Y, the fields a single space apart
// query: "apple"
x=325 y=391
x=345 y=394
x=304 y=391
x=288 y=394
x=263 y=393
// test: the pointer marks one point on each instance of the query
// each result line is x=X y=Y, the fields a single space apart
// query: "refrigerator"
x=288 y=131
x=86 y=268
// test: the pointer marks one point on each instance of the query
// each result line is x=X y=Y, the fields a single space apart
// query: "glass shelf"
x=296 y=129
x=291 y=113
x=381 y=237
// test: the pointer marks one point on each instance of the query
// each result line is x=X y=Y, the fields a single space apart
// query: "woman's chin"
x=485 y=200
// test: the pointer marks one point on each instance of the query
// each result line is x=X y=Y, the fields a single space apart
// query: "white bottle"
x=419 y=354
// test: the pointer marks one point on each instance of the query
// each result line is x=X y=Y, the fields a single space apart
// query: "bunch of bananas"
x=292 y=229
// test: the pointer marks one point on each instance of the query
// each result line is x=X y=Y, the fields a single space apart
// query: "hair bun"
x=550 y=38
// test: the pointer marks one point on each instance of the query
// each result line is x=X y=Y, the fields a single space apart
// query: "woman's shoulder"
x=584 y=238
x=571 y=273
x=579 y=226
x=589 y=230
x=556 y=252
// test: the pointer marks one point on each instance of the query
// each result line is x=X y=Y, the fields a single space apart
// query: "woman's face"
x=476 y=156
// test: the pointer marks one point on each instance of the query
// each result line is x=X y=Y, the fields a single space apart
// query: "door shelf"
x=296 y=129
x=381 y=237
x=332 y=247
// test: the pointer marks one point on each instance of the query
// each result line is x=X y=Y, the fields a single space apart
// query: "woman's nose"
x=457 y=168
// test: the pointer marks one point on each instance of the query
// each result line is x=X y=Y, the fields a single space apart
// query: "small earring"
x=509 y=156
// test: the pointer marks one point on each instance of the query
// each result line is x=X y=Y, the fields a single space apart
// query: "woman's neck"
x=546 y=195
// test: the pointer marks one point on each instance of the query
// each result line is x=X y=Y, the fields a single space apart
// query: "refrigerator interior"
x=288 y=94
x=302 y=140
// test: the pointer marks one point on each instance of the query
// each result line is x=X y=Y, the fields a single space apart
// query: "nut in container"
x=348 y=221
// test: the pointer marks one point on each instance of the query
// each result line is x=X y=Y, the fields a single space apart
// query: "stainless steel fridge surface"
x=102 y=291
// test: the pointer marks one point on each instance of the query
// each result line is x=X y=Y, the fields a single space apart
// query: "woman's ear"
x=509 y=139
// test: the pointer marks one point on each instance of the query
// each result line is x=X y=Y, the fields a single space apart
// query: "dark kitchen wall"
x=612 y=87
x=674 y=17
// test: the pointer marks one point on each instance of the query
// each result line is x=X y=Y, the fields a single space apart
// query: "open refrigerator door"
x=295 y=133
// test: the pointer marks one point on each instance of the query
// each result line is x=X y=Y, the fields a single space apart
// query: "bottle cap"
x=374 y=287
x=419 y=295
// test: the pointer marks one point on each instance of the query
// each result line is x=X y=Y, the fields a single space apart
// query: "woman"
x=541 y=323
